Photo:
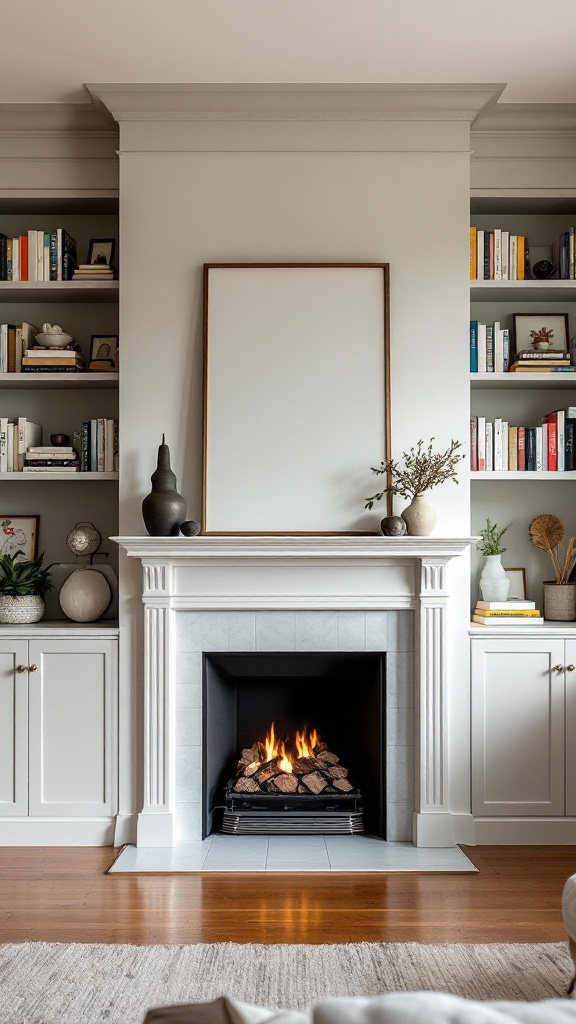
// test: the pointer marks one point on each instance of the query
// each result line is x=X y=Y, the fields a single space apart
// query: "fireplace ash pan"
x=292 y=814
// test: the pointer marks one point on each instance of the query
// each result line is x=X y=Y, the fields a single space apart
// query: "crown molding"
x=295 y=102
x=91 y=118
x=526 y=117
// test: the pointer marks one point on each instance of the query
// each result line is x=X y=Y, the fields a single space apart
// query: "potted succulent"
x=494 y=583
x=23 y=584
x=423 y=469
x=541 y=339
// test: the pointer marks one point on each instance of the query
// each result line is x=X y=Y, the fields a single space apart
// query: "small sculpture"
x=83 y=539
x=190 y=528
x=393 y=526
x=163 y=509
x=543 y=270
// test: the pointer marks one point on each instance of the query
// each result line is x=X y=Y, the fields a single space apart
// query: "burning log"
x=286 y=783
x=342 y=785
x=267 y=770
x=244 y=785
x=306 y=767
x=326 y=757
x=251 y=769
x=337 y=771
x=248 y=756
x=315 y=782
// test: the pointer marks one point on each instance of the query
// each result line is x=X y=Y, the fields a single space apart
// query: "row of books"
x=15 y=339
x=506 y=613
x=497 y=255
x=38 y=256
x=567 y=255
x=490 y=350
x=547 y=447
x=21 y=449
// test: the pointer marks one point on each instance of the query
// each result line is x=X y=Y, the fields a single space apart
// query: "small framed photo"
x=19 y=533
x=103 y=347
x=541 y=332
x=101 y=251
x=517 y=579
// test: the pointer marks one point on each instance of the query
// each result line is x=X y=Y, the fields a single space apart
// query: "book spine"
x=39 y=255
x=572 y=253
x=39 y=368
x=3 y=257
x=473 y=346
x=15 y=259
x=23 y=257
x=489 y=447
x=530 y=449
x=498 y=348
x=473 y=253
x=498 y=464
x=506 y=349
x=513 y=449
x=481 y=443
x=505 y=443
x=116 y=447
x=93 y=445
x=492 y=250
x=480 y=255
x=513 y=269
x=505 y=255
x=85 y=447
x=41 y=463
x=488 y=241
x=521 y=258
x=538 y=449
x=481 y=348
x=3 y=444
x=497 y=254
x=489 y=348
x=569 y=445
x=544 y=429
x=100 y=446
x=474 y=443
x=53 y=257
x=521 y=446
x=561 y=440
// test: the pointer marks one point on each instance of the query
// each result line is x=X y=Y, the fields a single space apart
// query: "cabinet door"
x=73 y=698
x=13 y=728
x=517 y=727
x=570 y=657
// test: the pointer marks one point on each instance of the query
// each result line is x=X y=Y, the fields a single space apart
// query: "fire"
x=305 y=744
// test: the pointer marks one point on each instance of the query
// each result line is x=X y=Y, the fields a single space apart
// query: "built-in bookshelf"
x=61 y=402
x=507 y=496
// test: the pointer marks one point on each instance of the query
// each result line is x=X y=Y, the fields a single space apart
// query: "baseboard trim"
x=525 y=831
x=57 y=831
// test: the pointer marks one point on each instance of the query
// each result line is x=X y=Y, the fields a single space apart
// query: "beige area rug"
x=60 y=983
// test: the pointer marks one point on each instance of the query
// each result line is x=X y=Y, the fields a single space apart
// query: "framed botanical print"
x=19 y=533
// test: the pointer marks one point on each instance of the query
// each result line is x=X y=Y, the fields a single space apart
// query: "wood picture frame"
x=101 y=251
x=103 y=347
x=517 y=577
x=524 y=323
x=296 y=396
x=19 y=533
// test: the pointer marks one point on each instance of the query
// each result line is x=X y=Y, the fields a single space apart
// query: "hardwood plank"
x=65 y=895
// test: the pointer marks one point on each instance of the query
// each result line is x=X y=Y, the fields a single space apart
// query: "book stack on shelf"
x=497 y=255
x=51 y=459
x=507 y=613
x=93 y=272
x=38 y=256
x=99 y=446
x=567 y=255
x=548 y=447
x=52 y=360
x=14 y=340
x=15 y=438
x=489 y=347
x=551 y=361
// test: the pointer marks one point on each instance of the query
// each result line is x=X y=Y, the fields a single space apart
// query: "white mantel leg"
x=433 y=825
x=156 y=820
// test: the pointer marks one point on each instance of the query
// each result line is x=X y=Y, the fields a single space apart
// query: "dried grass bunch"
x=423 y=469
x=547 y=532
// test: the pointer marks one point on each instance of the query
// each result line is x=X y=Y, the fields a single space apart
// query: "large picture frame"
x=296 y=396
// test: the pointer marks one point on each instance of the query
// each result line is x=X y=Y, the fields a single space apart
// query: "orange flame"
x=305 y=744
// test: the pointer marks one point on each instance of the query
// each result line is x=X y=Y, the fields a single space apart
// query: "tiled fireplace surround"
x=330 y=594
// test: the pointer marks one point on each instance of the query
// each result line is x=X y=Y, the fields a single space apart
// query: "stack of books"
x=93 y=272
x=550 y=361
x=497 y=255
x=51 y=459
x=52 y=360
x=507 y=613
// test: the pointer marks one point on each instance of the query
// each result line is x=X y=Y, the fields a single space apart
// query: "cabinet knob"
x=570 y=668
x=558 y=668
x=21 y=668
x=32 y=668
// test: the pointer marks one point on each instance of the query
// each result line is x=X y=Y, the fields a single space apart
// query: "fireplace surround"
x=234 y=594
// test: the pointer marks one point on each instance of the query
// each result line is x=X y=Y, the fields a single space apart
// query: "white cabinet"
x=58 y=730
x=523 y=728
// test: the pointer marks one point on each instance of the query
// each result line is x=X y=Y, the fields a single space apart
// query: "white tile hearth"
x=291 y=853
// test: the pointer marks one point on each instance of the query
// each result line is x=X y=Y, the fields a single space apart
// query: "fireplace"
x=207 y=595
x=319 y=768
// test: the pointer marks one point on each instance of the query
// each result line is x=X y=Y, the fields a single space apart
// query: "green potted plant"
x=494 y=583
x=23 y=584
x=422 y=470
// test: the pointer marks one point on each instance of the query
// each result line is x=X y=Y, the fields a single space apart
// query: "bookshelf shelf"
x=70 y=478
x=59 y=291
x=522 y=291
x=517 y=476
x=523 y=381
x=59 y=381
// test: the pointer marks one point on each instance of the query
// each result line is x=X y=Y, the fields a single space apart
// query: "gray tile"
x=188 y=774
x=399 y=679
x=188 y=695
x=241 y=631
x=401 y=631
x=275 y=631
x=130 y=859
x=351 y=628
x=188 y=822
x=297 y=853
x=188 y=727
x=399 y=821
x=237 y=853
x=202 y=631
x=189 y=668
x=367 y=856
x=400 y=779
x=400 y=727
x=316 y=631
x=183 y=857
x=377 y=630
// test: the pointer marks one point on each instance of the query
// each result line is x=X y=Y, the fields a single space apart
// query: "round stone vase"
x=494 y=583
x=420 y=517
x=163 y=509
x=559 y=601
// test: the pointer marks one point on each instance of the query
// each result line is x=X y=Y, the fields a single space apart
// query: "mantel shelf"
x=292 y=547
x=506 y=474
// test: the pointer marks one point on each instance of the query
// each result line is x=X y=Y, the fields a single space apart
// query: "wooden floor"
x=65 y=895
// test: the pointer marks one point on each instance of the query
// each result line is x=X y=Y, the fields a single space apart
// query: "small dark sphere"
x=190 y=528
x=393 y=526
x=543 y=270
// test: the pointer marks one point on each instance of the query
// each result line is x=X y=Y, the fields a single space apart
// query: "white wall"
x=180 y=208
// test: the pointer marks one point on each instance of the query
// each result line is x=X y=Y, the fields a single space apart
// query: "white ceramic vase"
x=494 y=583
x=420 y=517
x=20 y=610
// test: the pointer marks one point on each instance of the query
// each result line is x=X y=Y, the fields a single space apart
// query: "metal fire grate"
x=298 y=814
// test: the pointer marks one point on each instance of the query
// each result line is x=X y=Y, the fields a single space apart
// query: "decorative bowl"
x=59 y=440
x=53 y=340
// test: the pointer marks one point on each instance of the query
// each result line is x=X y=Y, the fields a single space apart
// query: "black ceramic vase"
x=163 y=509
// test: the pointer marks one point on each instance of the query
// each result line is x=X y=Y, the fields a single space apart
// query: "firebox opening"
x=341 y=695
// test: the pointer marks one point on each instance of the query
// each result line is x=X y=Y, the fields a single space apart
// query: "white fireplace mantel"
x=299 y=572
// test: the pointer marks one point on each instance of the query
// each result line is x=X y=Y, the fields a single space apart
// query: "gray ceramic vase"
x=163 y=509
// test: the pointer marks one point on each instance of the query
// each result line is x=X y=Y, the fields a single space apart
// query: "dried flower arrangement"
x=544 y=332
x=423 y=469
x=547 y=532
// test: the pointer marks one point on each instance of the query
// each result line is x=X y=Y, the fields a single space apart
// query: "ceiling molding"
x=304 y=102
x=91 y=118
x=526 y=117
